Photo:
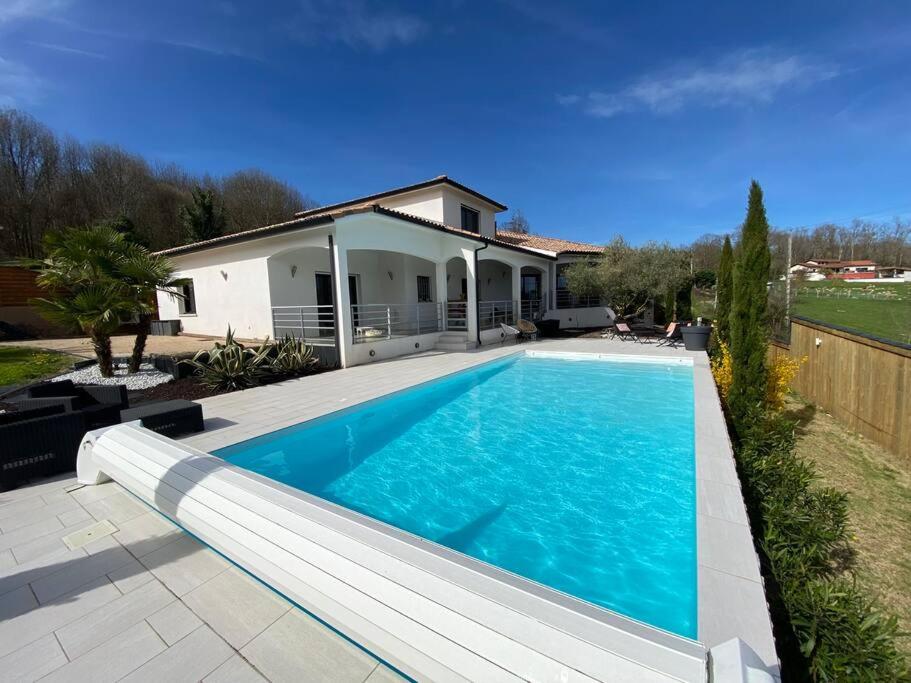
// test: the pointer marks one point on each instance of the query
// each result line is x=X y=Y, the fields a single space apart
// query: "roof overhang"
x=441 y=180
x=329 y=219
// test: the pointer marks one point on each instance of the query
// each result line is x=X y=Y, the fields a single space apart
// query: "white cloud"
x=355 y=24
x=68 y=50
x=747 y=77
x=22 y=9
x=19 y=86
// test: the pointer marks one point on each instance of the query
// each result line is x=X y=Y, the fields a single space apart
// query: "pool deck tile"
x=113 y=610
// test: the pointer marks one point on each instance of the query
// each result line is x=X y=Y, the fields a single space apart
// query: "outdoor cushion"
x=170 y=418
x=88 y=394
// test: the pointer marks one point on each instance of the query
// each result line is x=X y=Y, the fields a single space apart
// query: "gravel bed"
x=146 y=378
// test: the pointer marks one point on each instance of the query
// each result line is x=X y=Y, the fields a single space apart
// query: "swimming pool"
x=577 y=474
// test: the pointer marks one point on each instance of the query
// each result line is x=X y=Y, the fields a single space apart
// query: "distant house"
x=417 y=267
x=836 y=269
x=894 y=272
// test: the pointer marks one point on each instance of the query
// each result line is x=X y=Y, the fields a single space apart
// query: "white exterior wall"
x=298 y=289
x=230 y=292
x=232 y=285
x=452 y=211
x=258 y=275
x=424 y=203
x=444 y=205
x=496 y=281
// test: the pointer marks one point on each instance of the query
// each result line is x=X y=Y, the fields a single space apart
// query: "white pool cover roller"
x=433 y=613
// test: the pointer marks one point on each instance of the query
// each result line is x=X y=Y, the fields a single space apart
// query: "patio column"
x=551 y=285
x=471 y=313
x=338 y=262
x=517 y=291
x=441 y=289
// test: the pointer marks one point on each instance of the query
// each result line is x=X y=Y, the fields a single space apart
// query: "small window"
x=186 y=303
x=471 y=219
x=424 y=288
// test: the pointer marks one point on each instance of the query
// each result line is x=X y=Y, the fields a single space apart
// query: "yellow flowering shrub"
x=722 y=369
x=782 y=370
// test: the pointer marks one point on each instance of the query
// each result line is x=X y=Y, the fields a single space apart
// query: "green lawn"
x=878 y=484
x=890 y=318
x=21 y=364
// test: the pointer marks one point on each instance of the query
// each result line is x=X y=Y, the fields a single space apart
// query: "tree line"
x=886 y=243
x=49 y=182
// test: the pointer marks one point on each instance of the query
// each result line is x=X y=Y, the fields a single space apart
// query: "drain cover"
x=77 y=539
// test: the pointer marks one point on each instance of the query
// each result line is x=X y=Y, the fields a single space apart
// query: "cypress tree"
x=724 y=293
x=749 y=332
x=203 y=218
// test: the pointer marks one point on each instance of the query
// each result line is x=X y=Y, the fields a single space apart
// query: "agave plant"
x=292 y=357
x=231 y=366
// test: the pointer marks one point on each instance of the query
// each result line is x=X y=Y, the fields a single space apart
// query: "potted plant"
x=696 y=337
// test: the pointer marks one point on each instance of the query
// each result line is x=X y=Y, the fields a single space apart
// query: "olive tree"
x=627 y=278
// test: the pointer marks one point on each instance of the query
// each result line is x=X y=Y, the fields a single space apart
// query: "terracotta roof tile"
x=547 y=243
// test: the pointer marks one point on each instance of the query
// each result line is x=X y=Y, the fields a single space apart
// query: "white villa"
x=414 y=268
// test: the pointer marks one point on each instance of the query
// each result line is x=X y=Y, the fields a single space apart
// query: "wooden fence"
x=17 y=286
x=864 y=381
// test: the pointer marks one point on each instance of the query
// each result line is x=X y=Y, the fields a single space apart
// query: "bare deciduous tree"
x=47 y=184
x=29 y=162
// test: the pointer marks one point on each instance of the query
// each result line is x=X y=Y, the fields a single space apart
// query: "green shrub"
x=231 y=366
x=843 y=634
x=291 y=357
x=802 y=528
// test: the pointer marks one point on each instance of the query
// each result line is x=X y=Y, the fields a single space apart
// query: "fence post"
x=388 y=322
x=300 y=310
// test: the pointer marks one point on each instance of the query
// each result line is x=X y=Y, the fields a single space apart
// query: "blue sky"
x=646 y=119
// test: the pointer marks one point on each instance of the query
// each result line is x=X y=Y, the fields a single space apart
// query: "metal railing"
x=534 y=309
x=492 y=313
x=565 y=299
x=457 y=315
x=376 y=322
x=314 y=324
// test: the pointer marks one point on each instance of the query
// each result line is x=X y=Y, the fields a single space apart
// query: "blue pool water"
x=579 y=475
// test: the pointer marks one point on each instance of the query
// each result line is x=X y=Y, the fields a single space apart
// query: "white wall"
x=452 y=210
x=580 y=317
x=359 y=354
x=258 y=276
x=495 y=281
x=424 y=203
x=234 y=292
x=444 y=205
x=298 y=289
x=232 y=285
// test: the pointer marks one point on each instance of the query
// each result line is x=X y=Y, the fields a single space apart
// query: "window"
x=424 y=288
x=186 y=303
x=471 y=219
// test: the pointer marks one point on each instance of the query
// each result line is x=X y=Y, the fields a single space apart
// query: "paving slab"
x=251 y=609
x=33 y=661
x=190 y=659
x=175 y=622
x=235 y=670
x=95 y=628
x=296 y=648
x=184 y=564
x=114 y=659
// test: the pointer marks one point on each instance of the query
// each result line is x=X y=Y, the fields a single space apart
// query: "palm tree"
x=96 y=309
x=144 y=274
x=96 y=278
